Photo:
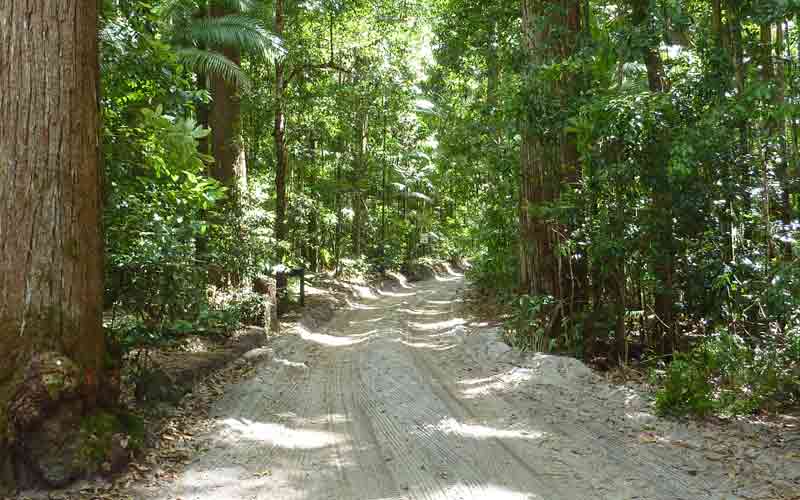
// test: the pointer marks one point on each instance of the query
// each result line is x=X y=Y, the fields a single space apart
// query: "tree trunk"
x=543 y=154
x=769 y=150
x=733 y=11
x=663 y=232
x=203 y=109
x=618 y=285
x=362 y=138
x=51 y=247
x=384 y=199
x=281 y=155
x=225 y=118
x=337 y=205
x=572 y=282
x=785 y=207
x=539 y=175
x=723 y=72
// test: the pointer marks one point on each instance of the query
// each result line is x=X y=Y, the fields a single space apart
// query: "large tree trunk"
x=225 y=118
x=539 y=174
x=281 y=155
x=543 y=154
x=51 y=247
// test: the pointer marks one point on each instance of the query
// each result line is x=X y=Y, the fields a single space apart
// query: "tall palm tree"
x=210 y=37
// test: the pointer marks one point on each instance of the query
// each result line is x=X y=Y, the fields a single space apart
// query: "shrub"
x=353 y=268
x=728 y=375
x=686 y=388
x=526 y=328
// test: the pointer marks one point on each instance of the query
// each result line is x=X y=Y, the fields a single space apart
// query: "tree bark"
x=543 y=154
x=539 y=173
x=281 y=154
x=203 y=109
x=723 y=72
x=785 y=207
x=225 y=118
x=362 y=144
x=734 y=14
x=51 y=247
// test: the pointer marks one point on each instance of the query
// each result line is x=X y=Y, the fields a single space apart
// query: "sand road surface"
x=397 y=399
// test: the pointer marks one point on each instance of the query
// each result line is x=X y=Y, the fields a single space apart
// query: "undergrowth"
x=729 y=375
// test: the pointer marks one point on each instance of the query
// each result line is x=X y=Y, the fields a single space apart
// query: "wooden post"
x=268 y=287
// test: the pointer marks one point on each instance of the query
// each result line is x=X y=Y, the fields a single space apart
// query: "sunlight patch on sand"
x=452 y=426
x=279 y=435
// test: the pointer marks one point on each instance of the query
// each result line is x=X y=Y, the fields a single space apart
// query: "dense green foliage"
x=664 y=209
x=361 y=181
x=673 y=223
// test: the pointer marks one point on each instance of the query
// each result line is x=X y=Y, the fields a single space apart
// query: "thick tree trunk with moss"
x=51 y=249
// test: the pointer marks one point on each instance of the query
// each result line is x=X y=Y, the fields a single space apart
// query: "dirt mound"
x=418 y=271
x=487 y=347
x=172 y=374
x=557 y=370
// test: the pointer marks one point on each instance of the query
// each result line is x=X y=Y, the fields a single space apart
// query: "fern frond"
x=236 y=30
x=213 y=63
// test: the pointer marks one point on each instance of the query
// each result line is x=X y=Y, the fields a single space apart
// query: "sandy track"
x=391 y=400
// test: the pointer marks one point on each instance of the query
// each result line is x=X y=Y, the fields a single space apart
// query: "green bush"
x=218 y=315
x=730 y=376
x=526 y=327
x=492 y=272
x=155 y=216
x=686 y=388
x=235 y=307
x=353 y=267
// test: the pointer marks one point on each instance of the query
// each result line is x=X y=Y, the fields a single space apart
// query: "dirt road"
x=396 y=399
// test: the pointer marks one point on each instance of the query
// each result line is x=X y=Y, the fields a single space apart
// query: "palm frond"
x=236 y=30
x=213 y=63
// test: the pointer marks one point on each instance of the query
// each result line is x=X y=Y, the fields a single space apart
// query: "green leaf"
x=214 y=63
x=236 y=31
